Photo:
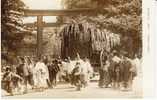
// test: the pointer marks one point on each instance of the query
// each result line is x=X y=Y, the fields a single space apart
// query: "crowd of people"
x=42 y=73
x=39 y=74
x=118 y=71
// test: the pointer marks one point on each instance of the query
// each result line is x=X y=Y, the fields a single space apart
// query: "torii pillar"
x=39 y=35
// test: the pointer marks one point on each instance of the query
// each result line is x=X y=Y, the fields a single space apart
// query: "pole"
x=39 y=35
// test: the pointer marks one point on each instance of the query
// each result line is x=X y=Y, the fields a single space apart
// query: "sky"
x=42 y=4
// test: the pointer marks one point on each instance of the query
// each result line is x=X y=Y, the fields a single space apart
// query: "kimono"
x=87 y=71
x=104 y=75
x=11 y=81
x=22 y=71
x=70 y=67
x=116 y=68
x=126 y=73
x=41 y=75
x=30 y=77
x=76 y=74
x=19 y=70
x=136 y=66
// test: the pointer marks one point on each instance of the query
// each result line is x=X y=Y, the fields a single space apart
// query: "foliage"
x=123 y=17
x=12 y=28
x=87 y=33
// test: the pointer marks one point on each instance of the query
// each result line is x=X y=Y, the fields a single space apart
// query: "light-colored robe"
x=41 y=74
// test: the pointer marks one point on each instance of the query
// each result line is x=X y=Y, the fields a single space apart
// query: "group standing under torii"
x=117 y=71
x=42 y=73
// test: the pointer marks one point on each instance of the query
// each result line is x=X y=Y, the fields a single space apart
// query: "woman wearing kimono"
x=105 y=75
x=87 y=71
x=41 y=75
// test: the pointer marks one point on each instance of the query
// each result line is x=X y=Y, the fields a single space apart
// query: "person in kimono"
x=53 y=70
x=105 y=76
x=30 y=68
x=11 y=80
x=87 y=71
x=76 y=73
x=70 y=67
x=41 y=75
x=23 y=71
x=115 y=67
x=126 y=73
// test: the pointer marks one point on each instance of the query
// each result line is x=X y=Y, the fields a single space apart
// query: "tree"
x=12 y=28
x=123 y=17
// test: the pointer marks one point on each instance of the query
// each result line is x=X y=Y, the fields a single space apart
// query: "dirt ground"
x=92 y=91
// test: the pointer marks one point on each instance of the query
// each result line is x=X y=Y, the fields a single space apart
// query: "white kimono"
x=41 y=74
x=70 y=66
x=87 y=70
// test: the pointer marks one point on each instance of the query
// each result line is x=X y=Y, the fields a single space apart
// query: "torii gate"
x=41 y=24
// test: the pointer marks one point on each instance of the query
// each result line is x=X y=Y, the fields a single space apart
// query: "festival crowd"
x=117 y=71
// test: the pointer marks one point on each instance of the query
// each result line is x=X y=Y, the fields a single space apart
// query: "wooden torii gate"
x=40 y=24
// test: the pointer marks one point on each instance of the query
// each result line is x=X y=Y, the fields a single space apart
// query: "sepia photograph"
x=71 y=49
